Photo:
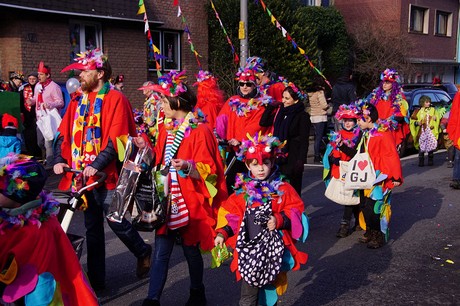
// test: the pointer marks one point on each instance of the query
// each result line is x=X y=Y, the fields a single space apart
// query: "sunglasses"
x=248 y=84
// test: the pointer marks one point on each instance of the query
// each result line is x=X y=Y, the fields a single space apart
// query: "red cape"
x=231 y=126
x=116 y=120
x=382 y=151
x=199 y=147
x=49 y=250
x=453 y=125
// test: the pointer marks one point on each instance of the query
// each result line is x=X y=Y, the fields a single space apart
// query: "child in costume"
x=37 y=260
x=261 y=222
x=375 y=202
x=342 y=147
x=9 y=141
x=391 y=104
x=424 y=127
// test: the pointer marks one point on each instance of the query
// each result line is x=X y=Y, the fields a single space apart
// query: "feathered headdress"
x=170 y=84
x=345 y=111
x=390 y=75
x=89 y=60
x=246 y=75
x=255 y=63
x=260 y=147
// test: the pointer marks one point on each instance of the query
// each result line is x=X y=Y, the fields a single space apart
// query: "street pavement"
x=420 y=264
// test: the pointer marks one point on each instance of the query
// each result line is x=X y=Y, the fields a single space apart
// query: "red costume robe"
x=231 y=123
x=453 y=125
x=116 y=120
x=47 y=249
x=199 y=147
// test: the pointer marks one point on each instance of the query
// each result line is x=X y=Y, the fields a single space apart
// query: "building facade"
x=55 y=31
x=431 y=28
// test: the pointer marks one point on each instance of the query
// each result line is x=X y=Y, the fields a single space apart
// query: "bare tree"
x=377 y=49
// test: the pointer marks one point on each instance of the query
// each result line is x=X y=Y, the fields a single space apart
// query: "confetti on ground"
x=435 y=257
x=449 y=261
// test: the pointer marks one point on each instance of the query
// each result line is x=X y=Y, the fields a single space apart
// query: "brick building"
x=431 y=26
x=54 y=31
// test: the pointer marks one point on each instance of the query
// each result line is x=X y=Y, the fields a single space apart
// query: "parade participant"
x=29 y=115
x=453 y=130
x=47 y=95
x=424 y=127
x=9 y=141
x=39 y=264
x=375 y=203
x=210 y=98
x=192 y=169
x=239 y=116
x=391 y=104
x=291 y=124
x=266 y=80
x=87 y=142
x=152 y=114
x=342 y=147
x=262 y=221
x=318 y=114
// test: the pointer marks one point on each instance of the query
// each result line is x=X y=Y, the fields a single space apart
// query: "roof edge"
x=76 y=14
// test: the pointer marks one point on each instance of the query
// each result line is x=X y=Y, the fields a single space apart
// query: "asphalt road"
x=420 y=265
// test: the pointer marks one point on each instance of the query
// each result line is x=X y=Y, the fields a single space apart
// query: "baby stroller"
x=73 y=203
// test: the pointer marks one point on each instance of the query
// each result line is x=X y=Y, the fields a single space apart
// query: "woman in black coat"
x=291 y=123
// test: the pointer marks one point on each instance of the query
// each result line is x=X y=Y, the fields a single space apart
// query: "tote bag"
x=48 y=122
x=336 y=191
x=361 y=173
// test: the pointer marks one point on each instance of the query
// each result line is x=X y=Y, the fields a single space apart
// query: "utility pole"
x=243 y=32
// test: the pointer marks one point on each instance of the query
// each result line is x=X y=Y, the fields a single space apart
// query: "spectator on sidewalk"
x=47 y=96
x=29 y=116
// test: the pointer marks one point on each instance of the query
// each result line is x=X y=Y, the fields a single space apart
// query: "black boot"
x=450 y=157
x=366 y=237
x=377 y=240
x=421 y=159
x=430 y=158
x=197 y=297
x=344 y=229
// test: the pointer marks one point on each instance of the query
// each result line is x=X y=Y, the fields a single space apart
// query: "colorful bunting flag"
x=187 y=31
x=156 y=51
x=236 y=59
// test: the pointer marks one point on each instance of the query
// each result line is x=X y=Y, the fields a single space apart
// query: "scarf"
x=86 y=131
x=284 y=119
x=179 y=214
x=40 y=94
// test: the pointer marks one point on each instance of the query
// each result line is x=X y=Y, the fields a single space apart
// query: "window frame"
x=425 y=19
x=448 y=23
x=82 y=36
x=161 y=45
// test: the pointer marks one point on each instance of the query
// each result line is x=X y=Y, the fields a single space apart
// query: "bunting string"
x=236 y=59
x=289 y=38
x=153 y=49
x=187 y=31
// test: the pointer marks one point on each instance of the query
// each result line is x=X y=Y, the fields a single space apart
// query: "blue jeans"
x=99 y=200
x=130 y=237
x=456 y=172
x=164 y=245
x=320 y=130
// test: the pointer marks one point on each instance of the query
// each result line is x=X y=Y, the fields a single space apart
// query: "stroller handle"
x=102 y=175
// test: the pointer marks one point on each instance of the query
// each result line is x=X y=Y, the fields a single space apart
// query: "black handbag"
x=153 y=209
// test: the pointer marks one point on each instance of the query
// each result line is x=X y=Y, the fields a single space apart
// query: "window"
x=169 y=45
x=418 y=22
x=84 y=36
x=443 y=26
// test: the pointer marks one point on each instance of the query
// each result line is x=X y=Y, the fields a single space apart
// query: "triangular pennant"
x=302 y=51
x=283 y=30
x=176 y=3
x=179 y=12
x=141 y=2
x=263 y=5
x=141 y=10
x=273 y=19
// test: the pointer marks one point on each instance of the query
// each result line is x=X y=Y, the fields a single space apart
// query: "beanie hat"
x=9 y=121
x=21 y=178
x=16 y=75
